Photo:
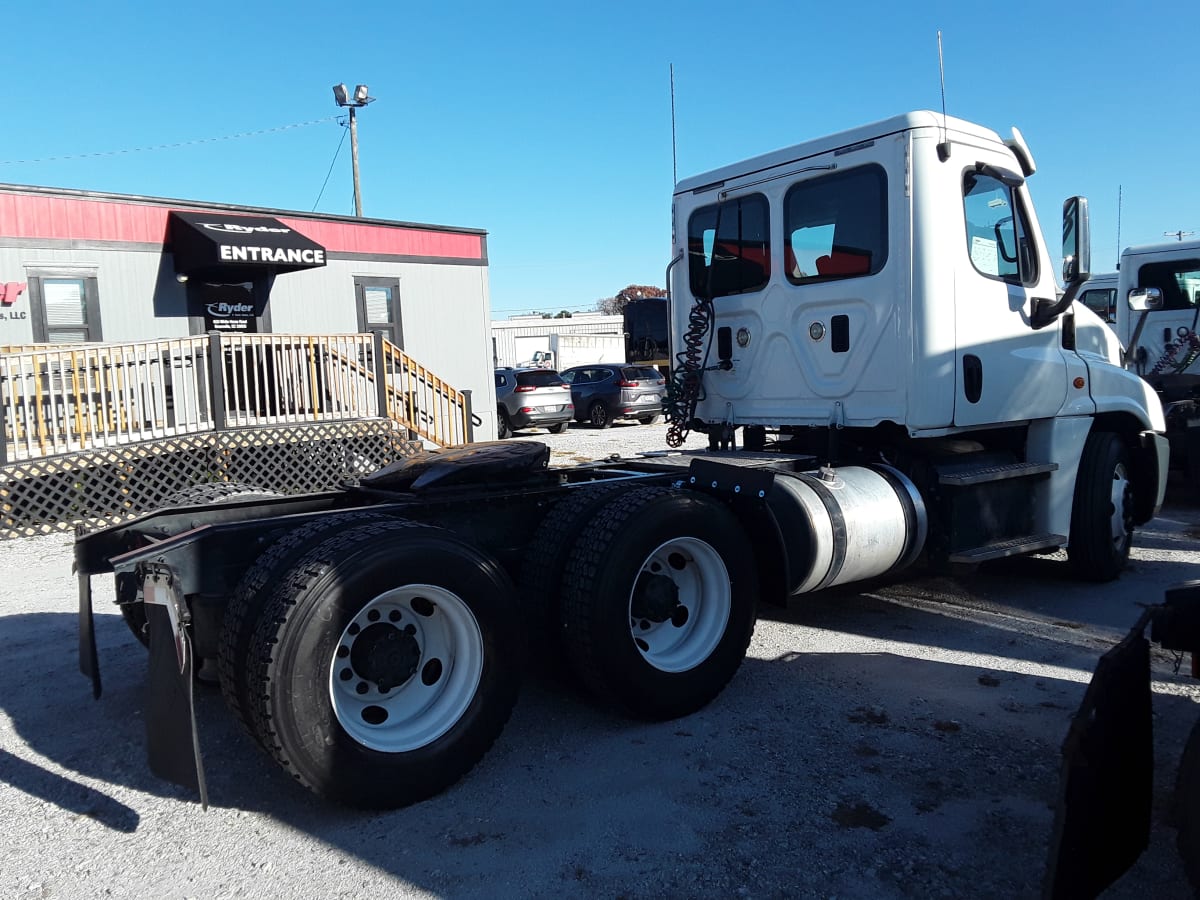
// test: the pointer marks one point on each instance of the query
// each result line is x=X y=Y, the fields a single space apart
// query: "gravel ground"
x=885 y=741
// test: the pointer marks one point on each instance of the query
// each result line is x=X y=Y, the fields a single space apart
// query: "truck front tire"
x=385 y=664
x=658 y=602
x=1102 y=514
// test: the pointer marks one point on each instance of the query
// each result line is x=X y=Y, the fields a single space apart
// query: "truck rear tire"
x=1102 y=515
x=244 y=609
x=542 y=567
x=658 y=602
x=386 y=663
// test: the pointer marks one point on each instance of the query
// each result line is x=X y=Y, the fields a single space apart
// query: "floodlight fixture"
x=359 y=99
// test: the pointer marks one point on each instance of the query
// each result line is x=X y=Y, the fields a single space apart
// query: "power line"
x=176 y=145
x=330 y=172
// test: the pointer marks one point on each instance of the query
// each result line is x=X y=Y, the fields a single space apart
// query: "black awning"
x=221 y=246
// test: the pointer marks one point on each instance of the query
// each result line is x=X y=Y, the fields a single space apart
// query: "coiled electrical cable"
x=1187 y=341
x=685 y=389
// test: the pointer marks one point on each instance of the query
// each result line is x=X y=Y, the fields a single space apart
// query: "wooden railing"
x=64 y=398
x=431 y=407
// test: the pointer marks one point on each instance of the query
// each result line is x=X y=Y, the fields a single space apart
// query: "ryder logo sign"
x=225 y=310
x=243 y=229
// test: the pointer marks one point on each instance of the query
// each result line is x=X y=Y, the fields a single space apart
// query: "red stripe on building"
x=347 y=237
x=70 y=219
x=36 y=216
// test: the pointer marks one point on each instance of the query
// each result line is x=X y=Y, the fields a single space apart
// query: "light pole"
x=353 y=102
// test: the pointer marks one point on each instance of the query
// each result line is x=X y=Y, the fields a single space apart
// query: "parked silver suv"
x=529 y=398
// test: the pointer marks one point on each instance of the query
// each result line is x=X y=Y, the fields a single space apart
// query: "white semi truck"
x=1153 y=305
x=867 y=327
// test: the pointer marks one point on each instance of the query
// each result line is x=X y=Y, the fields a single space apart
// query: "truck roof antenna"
x=943 y=149
x=674 y=169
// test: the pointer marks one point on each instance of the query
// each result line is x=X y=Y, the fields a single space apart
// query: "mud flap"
x=1102 y=821
x=1187 y=808
x=89 y=660
x=172 y=744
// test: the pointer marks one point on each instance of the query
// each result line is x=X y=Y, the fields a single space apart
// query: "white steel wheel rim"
x=683 y=641
x=425 y=632
x=1121 y=506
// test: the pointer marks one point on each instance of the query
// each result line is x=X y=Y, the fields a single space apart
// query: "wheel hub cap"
x=385 y=655
x=655 y=597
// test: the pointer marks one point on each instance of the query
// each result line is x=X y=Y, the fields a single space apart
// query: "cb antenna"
x=943 y=149
x=674 y=171
x=1120 y=197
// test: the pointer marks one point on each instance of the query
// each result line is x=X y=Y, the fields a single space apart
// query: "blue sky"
x=549 y=124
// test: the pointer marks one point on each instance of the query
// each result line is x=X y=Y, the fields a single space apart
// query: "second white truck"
x=1153 y=306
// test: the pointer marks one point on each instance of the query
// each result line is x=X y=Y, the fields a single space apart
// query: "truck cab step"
x=1010 y=547
x=993 y=472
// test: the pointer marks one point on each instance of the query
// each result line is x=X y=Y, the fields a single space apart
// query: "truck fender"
x=770 y=555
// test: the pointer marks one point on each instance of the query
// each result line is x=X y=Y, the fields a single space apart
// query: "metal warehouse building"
x=82 y=266
x=516 y=339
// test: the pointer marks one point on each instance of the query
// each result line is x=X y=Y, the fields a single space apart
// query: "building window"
x=66 y=308
x=379 y=308
x=835 y=226
x=729 y=248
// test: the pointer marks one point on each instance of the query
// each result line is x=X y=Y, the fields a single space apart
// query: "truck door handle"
x=972 y=377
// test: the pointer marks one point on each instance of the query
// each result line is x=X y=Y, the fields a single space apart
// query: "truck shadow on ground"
x=933 y=771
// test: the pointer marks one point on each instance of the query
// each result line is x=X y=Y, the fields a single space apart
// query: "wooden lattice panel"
x=94 y=488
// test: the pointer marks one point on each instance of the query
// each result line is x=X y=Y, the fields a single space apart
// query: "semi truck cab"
x=886 y=294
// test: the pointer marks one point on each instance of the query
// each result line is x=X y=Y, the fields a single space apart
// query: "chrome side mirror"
x=1145 y=299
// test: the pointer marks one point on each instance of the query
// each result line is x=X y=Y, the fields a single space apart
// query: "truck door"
x=1005 y=370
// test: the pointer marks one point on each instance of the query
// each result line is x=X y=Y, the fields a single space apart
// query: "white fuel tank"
x=848 y=524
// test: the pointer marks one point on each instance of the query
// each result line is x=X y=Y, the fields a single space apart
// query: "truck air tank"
x=848 y=524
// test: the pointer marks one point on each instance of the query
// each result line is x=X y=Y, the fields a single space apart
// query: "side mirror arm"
x=1044 y=311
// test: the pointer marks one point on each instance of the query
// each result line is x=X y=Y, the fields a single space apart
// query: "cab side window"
x=729 y=247
x=835 y=226
x=1179 y=281
x=1101 y=301
x=998 y=233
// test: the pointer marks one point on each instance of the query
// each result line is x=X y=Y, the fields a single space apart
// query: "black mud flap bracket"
x=730 y=482
x=172 y=743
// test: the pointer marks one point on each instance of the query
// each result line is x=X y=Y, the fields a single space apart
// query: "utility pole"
x=353 y=102
x=1178 y=235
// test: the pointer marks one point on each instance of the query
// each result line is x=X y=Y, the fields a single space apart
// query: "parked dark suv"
x=527 y=398
x=605 y=392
